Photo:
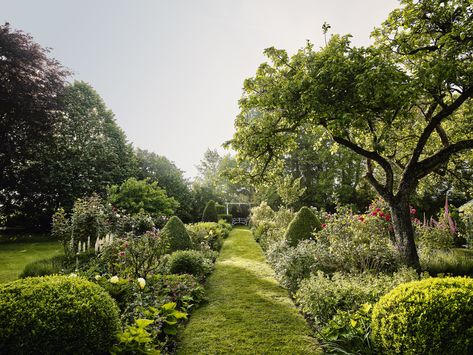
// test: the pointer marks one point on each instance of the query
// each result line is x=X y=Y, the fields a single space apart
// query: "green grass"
x=247 y=311
x=15 y=256
x=455 y=261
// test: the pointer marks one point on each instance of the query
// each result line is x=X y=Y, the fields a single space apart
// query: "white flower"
x=114 y=279
x=72 y=275
x=141 y=282
x=97 y=277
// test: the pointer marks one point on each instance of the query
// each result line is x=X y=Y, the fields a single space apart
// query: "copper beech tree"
x=404 y=104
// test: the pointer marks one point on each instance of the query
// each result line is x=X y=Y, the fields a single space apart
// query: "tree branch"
x=370 y=155
x=432 y=163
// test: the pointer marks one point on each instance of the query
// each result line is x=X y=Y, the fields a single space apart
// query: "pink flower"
x=378 y=209
x=413 y=211
x=122 y=253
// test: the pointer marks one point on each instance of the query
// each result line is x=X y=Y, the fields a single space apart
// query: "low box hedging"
x=431 y=316
x=56 y=315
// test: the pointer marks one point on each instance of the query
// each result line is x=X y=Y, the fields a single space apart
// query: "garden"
x=350 y=168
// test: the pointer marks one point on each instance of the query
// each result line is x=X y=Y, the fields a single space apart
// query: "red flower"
x=378 y=209
x=374 y=213
x=361 y=218
x=122 y=253
x=388 y=217
x=413 y=211
x=381 y=214
x=324 y=225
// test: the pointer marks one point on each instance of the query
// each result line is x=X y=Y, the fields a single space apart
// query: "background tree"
x=160 y=169
x=136 y=195
x=403 y=104
x=90 y=149
x=30 y=84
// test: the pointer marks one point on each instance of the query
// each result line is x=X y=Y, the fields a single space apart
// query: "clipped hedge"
x=175 y=233
x=56 y=315
x=432 y=316
x=302 y=226
x=210 y=212
x=190 y=262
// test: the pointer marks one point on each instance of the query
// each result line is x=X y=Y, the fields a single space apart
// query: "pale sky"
x=172 y=71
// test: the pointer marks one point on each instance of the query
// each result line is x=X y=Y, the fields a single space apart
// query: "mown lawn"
x=14 y=256
x=247 y=312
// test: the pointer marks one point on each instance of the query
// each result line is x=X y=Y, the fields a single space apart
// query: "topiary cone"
x=176 y=235
x=305 y=222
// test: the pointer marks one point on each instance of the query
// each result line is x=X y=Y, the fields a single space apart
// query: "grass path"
x=247 y=312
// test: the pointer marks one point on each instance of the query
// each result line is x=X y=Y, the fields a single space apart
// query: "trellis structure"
x=240 y=221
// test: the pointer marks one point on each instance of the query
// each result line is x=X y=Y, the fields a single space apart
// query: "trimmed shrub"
x=190 y=262
x=44 y=267
x=221 y=209
x=175 y=233
x=432 y=316
x=320 y=296
x=56 y=315
x=302 y=226
x=210 y=212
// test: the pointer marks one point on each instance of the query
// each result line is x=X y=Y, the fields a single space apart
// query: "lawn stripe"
x=247 y=312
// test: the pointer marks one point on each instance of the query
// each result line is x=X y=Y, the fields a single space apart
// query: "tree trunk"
x=404 y=233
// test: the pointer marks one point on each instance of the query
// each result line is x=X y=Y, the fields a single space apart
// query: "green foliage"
x=56 y=314
x=290 y=190
x=225 y=217
x=160 y=169
x=135 y=256
x=434 y=237
x=44 y=267
x=293 y=264
x=320 y=296
x=210 y=212
x=208 y=235
x=136 y=339
x=304 y=224
x=191 y=262
x=433 y=316
x=135 y=195
x=348 y=332
x=466 y=216
x=138 y=223
x=146 y=335
x=356 y=243
x=456 y=262
x=176 y=235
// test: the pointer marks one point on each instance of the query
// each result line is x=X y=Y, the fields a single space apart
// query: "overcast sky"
x=172 y=71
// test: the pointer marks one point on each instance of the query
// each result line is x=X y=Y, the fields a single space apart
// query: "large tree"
x=30 y=84
x=403 y=104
